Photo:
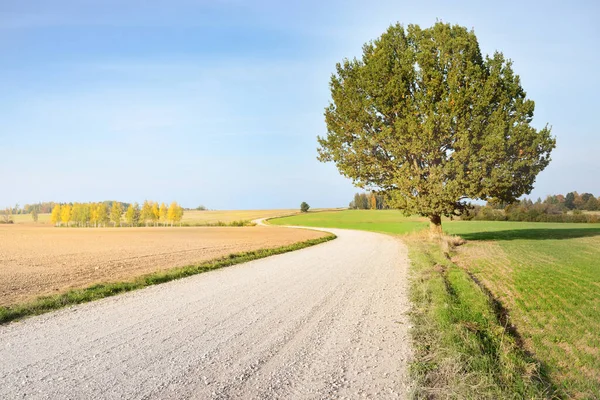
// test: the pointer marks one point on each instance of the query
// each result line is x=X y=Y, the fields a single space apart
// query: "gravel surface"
x=325 y=322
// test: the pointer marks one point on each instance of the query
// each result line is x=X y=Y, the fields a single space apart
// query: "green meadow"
x=512 y=313
x=390 y=221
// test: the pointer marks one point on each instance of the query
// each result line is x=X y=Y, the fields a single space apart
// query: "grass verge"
x=45 y=304
x=464 y=347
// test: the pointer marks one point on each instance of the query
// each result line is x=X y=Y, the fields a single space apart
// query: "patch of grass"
x=49 y=303
x=462 y=347
x=548 y=278
x=389 y=221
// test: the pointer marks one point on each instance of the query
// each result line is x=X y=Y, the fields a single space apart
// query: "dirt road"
x=324 y=322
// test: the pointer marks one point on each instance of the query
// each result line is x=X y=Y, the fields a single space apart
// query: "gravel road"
x=324 y=322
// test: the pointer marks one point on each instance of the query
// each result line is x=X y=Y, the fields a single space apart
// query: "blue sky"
x=219 y=103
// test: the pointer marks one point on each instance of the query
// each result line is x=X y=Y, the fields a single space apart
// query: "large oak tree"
x=426 y=119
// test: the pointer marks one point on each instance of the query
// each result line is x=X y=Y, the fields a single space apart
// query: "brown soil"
x=44 y=260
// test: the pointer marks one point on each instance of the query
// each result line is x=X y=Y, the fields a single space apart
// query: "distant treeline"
x=571 y=207
x=368 y=201
x=46 y=207
x=102 y=214
x=555 y=208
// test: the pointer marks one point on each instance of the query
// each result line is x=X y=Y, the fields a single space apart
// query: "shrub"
x=529 y=212
x=304 y=207
x=520 y=213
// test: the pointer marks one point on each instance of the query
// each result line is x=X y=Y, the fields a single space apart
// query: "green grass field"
x=515 y=312
x=390 y=221
x=548 y=277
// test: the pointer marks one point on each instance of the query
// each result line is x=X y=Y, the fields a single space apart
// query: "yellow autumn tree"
x=81 y=214
x=155 y=213
x=132 y=214
x=172 y=212
x=373 y=201
x=179 y=214
x=116 y=212
x=103 y=216
x=76 y=213
x=94 y=214
x=55 y=216
x=163 y=213
x=65 y=214
x=146 y=212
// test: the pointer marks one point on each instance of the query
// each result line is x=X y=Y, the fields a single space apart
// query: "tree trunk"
x=435 y=224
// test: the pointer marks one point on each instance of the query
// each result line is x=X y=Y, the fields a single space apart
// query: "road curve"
x=329 y=321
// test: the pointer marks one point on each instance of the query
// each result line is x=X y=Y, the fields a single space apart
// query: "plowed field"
x=45 y=260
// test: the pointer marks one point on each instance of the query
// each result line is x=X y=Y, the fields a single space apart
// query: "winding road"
x=329 y=321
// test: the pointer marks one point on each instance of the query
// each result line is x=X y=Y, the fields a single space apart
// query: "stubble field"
x=40 y=260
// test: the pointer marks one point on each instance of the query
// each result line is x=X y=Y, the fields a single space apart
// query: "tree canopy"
x=132 y=214
x=116 y=212
x=425 y=119
x=174 y=213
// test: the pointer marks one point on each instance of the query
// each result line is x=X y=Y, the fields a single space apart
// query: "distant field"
x=392 y=221
x=212 y=217
x=191 y=217
x=383 y=220
x=41 y=260
x=546 y=275
x=27 y=219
